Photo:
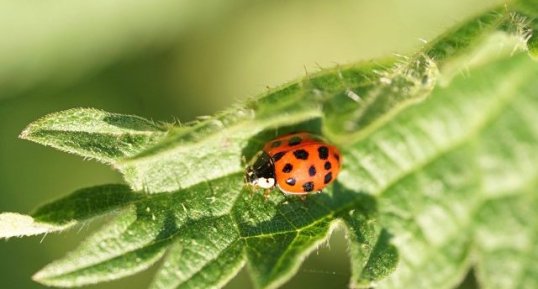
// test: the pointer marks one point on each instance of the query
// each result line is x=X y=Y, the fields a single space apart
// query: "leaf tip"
x=45 y=277
x=29 y=131
x=25 y=134
x=39 y=277
x=18 y=225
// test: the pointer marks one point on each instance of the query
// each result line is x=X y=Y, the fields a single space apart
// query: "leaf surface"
x=437 y=164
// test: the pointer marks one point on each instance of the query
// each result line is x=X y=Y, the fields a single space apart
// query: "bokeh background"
x=168 y=60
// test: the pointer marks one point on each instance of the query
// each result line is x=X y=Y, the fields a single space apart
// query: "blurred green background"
x=167 y=60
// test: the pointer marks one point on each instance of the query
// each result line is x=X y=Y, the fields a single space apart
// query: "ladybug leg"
x=303 y=198
x=250 y=190
x=266 y=193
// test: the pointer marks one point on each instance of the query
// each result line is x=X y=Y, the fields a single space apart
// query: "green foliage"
x=438 y=175
x=94 y=134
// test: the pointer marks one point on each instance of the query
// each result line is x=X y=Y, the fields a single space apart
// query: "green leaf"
x=475 y=149
x=94 y=134
x=437 y=166
x=59 y=215
x=18 y=225
x=85 y=204
x=212 y=230
x=129 y=244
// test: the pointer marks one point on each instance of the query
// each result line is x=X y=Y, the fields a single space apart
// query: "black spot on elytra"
x=308 y=186
x=290 y=181
x=337 y=157
x=312 y=171
x=328 y=178
x=323 y=152
x=278 y=156
x=287 y=168
x=327 y=165
x=294 y=141
x=276 y=144
x=301 y=154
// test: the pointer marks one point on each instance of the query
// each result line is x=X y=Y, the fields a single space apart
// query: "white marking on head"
x=264 y=183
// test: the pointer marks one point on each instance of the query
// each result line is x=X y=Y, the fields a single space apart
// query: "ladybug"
x=296 y=163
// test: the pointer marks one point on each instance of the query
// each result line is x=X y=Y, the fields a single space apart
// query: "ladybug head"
x=261 y=171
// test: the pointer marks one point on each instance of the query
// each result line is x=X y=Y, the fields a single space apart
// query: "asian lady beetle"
x=297 y=163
